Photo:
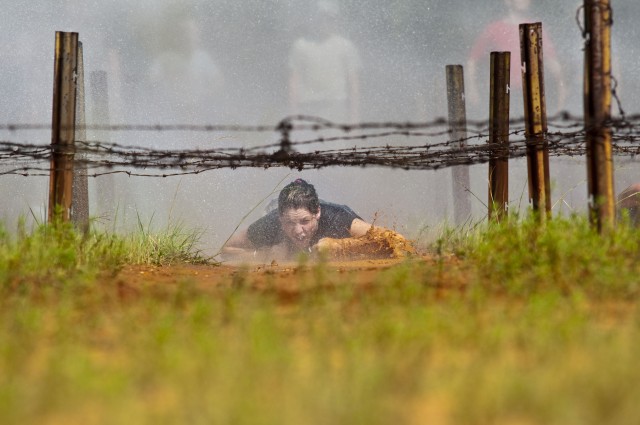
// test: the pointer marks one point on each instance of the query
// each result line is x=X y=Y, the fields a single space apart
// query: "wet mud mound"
x=375 y=244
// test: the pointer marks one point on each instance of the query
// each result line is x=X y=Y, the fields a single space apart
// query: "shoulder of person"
x=330 y=205
x=333 y=208
x=269 y=219
x=265 y=231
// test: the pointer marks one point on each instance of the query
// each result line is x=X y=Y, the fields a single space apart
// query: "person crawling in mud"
x=303 y=224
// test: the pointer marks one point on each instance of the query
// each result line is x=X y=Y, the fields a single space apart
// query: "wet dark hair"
x=298 y=194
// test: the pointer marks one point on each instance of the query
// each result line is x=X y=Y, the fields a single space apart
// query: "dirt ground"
x=287 y=280
x=362 y=258
x=210 y=277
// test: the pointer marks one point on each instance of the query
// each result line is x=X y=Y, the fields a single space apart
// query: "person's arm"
x=360 y=228
x=357 y=229
x=239 y=247
x=366 y=239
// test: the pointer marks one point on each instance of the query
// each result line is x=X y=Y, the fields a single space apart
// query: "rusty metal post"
x=535 y=114
x=458 y=131
x=597 y=112
x=80 y=198
x=499 y=134
x=63 y=125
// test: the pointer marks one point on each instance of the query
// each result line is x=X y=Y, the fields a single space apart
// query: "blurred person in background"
x=184 y=77
x=503 y=35
x=323 y=70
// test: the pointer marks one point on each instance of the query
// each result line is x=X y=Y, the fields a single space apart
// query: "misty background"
x=227 y=62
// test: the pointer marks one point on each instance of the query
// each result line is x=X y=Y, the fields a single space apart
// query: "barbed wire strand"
x=429 y=148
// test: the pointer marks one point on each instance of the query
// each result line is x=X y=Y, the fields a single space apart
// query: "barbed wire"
x=299 y=123
x=407 y=145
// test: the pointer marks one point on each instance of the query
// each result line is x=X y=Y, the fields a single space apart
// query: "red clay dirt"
x=364 y=257
x=209 y=277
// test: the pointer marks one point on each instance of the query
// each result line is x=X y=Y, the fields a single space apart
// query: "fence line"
x=598 y=131
x=101 y=158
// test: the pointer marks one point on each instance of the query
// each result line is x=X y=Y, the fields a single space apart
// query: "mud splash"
x=375 y=244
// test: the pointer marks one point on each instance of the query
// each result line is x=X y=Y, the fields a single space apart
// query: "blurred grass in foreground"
x=526 y=325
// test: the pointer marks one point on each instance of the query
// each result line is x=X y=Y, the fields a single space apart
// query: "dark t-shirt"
x=335 y=222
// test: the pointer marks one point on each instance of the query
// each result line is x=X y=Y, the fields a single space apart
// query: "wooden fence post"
x=80 y=198
x=499 y=134
x=458 y=131
x=63 y=125
x=535 y=114
x=597 y=112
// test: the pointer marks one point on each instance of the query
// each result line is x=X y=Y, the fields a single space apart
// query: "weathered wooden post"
x=458 y=131
x=597 y=112
x=535 y=114
x=63 y=125
x=499 y=134
x=80 y=198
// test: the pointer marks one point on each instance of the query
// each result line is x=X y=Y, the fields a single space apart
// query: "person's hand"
x=323 y=245
x=326 y=246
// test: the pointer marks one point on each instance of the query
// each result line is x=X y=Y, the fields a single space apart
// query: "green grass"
x=173 y=244
x=533 y=326
x=524 y=256
x=59 y=254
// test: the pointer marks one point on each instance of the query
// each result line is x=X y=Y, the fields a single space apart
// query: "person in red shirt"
x=503 y=35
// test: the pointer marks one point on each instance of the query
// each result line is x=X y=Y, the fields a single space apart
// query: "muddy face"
x=300 y=226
